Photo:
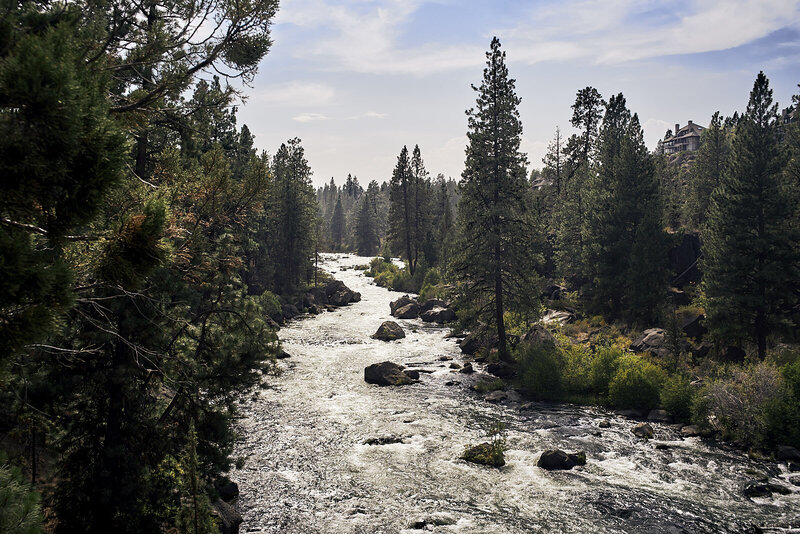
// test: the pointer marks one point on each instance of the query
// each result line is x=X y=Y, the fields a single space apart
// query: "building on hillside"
x=686 y=139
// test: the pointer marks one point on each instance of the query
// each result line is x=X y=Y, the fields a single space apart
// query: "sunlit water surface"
x=308 y=470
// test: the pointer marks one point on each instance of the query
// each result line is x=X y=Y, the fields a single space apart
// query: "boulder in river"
x=659 y=416
x=228 y=490
x=413 y=374
x=501 y=369
x=228 y=517
x=399 y=303
x=467 y=369
x=763 y=489
x=605 y=423
x=409 y=311
x=470 y=344
x=386 y=374
x=496 y=396
x=431 y=304
x=485 y=454
x=643 y=430
x=788 y=454
x=438 y=315
x=555 y=459
x=389 y=331
x=384 y=440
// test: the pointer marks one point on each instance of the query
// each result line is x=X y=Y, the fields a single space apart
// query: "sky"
x=356 y=80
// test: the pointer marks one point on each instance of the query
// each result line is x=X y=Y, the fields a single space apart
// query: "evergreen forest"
x=149 y=255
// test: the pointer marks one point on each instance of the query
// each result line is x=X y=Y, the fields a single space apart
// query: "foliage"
x=738 y=404
x=604 y=367
x=19 y=504
x=749 y=241
x=491 y=453
x=541 y=369
x=494 y=255
x=677 y=395
x=636 y=384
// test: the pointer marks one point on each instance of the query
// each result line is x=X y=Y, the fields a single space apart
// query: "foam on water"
x=308 y=470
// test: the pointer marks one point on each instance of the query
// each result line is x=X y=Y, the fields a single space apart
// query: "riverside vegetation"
x=148 y=250
x=598 y=238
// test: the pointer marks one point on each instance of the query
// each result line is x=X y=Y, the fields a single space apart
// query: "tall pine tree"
x=748 y=239
x=494 y=260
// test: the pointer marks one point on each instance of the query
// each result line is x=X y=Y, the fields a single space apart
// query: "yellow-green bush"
x=603 y=368
x=676 y=396
x=636 y=384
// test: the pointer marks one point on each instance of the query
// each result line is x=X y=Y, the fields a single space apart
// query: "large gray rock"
x=652 y=340
x=643 y=430
x=386 y=374
x=470 y=344
x=554 y=460
x=409 y=311
x=538 y=334
x=228 y=516
x=431 y=304
x=501 y=369
x=399 y=303
x=558 y=317
x=389 y=331
x=438 y=315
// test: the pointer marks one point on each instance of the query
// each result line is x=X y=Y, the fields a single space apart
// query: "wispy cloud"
x=295 y=94
x=310 y=117
x=627 y=30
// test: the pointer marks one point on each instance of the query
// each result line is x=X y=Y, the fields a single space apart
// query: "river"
x=308 y=470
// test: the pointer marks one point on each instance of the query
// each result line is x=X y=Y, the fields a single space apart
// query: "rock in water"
x=643 y=430
x=485 y=454
x=228 y=516
x=438 y=315
x=659 y=416
x=389 y=331
x=409 y=311
x=554 y=459
x=399 y=303
x=470 y=344
x=431 y=304
x=386 y=374
x=788 y=454
x=501 y=369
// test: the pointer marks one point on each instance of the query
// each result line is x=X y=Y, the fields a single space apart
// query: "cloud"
x=364 y=37
x=295 y=94
x=374 y=115
x=310 y=117
x=626 y=30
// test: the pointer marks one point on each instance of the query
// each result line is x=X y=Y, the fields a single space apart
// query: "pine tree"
x=554 y=162
x=366 y=232
x=624 y=243
x=707 y=171
x=296 y=210
x=494 y=260
x=402 y=209
x=749 y=245
x=337 y=224
x=570 y=212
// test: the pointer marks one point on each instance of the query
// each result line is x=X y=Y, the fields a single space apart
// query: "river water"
x=308 y=470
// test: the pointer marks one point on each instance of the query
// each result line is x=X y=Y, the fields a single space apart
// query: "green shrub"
x=636 y=384
x=604 y=367
x=492 y=385
x=577 y=359
x=270 y=304
x=541 y=369
x=676 y=397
